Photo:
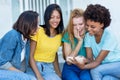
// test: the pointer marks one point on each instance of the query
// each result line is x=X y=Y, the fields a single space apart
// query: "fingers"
x=76 y=60
x=69 y=60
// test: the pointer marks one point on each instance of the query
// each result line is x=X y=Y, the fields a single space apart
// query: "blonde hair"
x=74 y=14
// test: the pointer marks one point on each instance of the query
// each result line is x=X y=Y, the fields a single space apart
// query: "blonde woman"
x=73 y=47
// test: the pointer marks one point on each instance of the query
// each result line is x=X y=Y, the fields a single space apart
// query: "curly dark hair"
x=98 y=13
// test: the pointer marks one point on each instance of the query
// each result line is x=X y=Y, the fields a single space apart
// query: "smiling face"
x=54 y=19
x=94 y=28
x=78 y=25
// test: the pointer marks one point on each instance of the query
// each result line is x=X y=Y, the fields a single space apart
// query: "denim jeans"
x=47 y=71
x=109 y=71
x=13 y=75
x=72 y=72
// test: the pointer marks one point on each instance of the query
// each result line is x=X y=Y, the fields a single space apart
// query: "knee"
x=109 y=78
x=95 y=74
x=94 y=71
x=66 y=77
x=106 y=78
x=85 y=75
x=51 y=77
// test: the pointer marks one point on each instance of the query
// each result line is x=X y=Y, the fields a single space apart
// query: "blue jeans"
x=72 y=72
x=13 y=75
x=47 y=71
x=109 y=71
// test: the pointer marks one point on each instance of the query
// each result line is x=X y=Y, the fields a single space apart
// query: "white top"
x=23 y=50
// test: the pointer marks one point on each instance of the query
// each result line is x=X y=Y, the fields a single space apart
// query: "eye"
x=92 y=26
x=87 y=26
x=58 y=17
x=81 y=24
x=74 y=24
x=52 y=17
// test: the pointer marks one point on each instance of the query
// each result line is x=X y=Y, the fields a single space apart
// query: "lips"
x=55 y=24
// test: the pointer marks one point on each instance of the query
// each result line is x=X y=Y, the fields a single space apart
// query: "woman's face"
x=55 y=19
x=78 y=25
x=93 y=28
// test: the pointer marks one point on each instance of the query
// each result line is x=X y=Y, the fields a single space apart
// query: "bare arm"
x=98 y=60
x=32 y=61
x=56 y=65
x=68 y=50
x=94 y=63
x=14 y=69
x=89 y=55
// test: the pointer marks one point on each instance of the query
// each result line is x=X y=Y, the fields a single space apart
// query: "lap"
x=51 y=76
x=107 y=69
x=47 y=71
x=13 y=75
x=108 y=77
x=71 y=71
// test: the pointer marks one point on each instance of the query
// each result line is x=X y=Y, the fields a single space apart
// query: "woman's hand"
x=69 y=60
x=14 y=69
x=40 y=78
x=82 y=33
x=77 y=34
x=79 y=61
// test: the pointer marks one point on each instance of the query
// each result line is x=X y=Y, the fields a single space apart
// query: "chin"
x=55 y=26
x=91 y=34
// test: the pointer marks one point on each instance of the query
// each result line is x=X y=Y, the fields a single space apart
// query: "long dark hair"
x=26 y=23
x=47 y=15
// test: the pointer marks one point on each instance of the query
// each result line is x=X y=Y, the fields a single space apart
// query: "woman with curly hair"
x=103 y=52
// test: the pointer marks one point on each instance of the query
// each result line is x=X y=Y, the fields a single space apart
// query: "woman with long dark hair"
x=45 y=44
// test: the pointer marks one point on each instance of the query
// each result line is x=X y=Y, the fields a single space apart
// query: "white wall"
x=112 y=5
x=5 y=16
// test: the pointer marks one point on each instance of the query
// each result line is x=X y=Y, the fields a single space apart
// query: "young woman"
x=44 y=45
x=14 y=47
x=103 y=51
x=73 y=47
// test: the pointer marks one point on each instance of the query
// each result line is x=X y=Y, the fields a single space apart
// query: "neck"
x=99 y=33
x=99 y=36
x=52 y=32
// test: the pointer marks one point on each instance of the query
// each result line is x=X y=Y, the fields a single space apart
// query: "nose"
x=78 y=27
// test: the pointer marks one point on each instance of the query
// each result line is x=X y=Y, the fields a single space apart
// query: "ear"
x=101 y=25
